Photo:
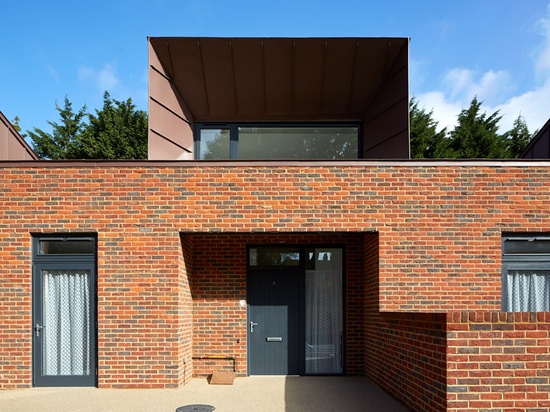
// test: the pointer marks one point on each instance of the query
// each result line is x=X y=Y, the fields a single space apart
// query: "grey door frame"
x=301 y=274
x=61 y=262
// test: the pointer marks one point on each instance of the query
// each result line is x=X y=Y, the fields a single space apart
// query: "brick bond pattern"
x=437 y=233
x=498 y=361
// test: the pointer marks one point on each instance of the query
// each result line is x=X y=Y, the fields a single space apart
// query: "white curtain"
x=528 y=291
x=66 y=319
x=323 y=314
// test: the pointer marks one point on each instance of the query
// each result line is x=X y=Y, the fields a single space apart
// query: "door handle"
x=38 y=328
x=252 y=324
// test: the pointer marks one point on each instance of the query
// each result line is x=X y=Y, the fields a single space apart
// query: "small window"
x=66 y=246
x=277 y=142
x=526 y=274
x=274 y=256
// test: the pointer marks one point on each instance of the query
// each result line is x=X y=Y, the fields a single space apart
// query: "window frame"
x=523 y=261
x=233 y=128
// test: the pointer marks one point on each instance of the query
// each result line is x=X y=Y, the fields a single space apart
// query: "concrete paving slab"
x=265 y=394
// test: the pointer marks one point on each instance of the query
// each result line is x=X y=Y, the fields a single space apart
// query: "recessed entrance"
x=295 y=310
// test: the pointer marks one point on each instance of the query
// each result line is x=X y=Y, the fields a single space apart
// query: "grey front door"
x=273 y=321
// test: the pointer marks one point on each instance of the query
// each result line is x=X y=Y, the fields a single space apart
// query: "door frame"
x=57 y=262
x=301 y=315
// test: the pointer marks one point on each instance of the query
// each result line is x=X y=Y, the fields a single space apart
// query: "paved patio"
x=258 y=394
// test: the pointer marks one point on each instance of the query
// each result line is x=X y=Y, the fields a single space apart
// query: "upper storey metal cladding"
x=227 y=80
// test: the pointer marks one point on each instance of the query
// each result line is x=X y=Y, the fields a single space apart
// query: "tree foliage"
x=517 y=138
x=15 y=124
x=59 y=143
x=117 y=131
x=426 y=141
x=476 y=135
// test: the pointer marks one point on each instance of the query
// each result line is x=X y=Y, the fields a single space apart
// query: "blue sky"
x=497 y=50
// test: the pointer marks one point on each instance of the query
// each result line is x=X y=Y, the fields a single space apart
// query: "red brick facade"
x=498 y=361
x=172 y=242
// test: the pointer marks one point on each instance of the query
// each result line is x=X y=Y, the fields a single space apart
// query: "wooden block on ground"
x=222 y=378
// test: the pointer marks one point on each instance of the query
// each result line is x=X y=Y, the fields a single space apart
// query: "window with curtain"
x=66 y=308
x=526 y=274
x=323 y=311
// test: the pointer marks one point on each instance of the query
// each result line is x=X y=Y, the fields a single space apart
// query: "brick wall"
x=462 y=361
x=498 y=361
x=406 y=356
x=438 y=229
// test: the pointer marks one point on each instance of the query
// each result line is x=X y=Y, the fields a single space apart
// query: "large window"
x=526 y=273
x=273 y=142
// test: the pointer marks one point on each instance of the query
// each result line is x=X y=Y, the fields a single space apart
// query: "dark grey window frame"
x=233 y=128
x=523 y=257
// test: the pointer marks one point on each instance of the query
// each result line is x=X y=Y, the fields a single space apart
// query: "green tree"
x=426 y=142
x=15 y=124
x=517 y=138
x=476 y=135
x=57 y=144
x=117 y=131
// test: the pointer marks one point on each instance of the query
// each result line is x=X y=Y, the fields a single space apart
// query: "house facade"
x=428 y=277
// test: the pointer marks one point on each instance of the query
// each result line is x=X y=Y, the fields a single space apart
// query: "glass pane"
x=214 y=144
x=323 y=311
x=528 y=290
x=298 y=142
x=531 y=246
x=66 y=321
x=274 y=256
x=66 y=247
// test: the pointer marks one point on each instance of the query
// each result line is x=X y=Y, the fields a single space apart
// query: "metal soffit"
x=225 y=79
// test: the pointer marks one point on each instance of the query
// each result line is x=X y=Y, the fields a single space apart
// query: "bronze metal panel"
x=308 y=76
x=167 y=149
x=12 y=145
x=219 y=74
x=386 y=124
x=338 y=75
x=170 y=120
x=4 y=141
x=171 y=127
x=186 y=63
x=278 y=76
x=368 y=75
x=248 y=60
x=539 y=147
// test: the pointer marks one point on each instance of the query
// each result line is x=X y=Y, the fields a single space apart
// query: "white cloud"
x=462 y=86
x=532 y=106
x=444 y=111
x=494 y=87
x=543 y=62
x=104 y=79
